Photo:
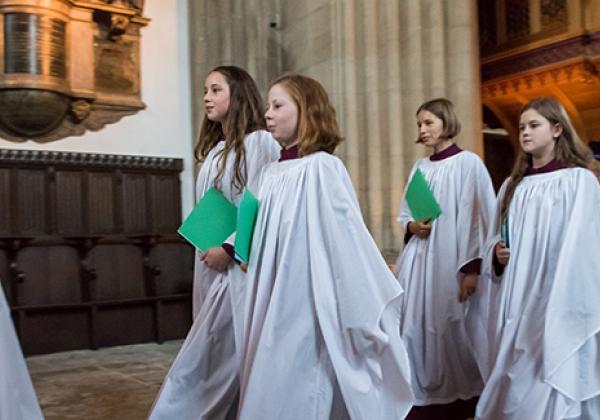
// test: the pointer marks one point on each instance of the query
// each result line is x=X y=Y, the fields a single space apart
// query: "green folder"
x=420 y=199
x=247 y=212
x=210 y=222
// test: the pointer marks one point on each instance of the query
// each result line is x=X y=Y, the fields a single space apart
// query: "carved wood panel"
x=89 y=256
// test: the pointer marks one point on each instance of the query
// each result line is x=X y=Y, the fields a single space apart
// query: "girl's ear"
x=557 y=130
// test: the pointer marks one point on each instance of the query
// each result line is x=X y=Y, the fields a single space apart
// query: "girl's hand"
x=217 y=259
x=421 y=229
x=244 y=267
x=468 y=286
x=502 y=253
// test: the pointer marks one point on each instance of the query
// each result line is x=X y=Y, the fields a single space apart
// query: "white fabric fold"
x=17 y=396
x=261 y=149
x=433 y=324
x=542 y=358
x=322 y=316
x=203 y=381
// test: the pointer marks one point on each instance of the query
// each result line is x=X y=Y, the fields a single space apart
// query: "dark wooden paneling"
x=69 y=203
x=5 y=196
x=135 y=203
x=31 y=201
x=165 y=205
x=125 y=323
x=112 y=264
x=176 y=262
x=178 y=316
x=51 y=275
x=55 y=329
x=101 y=202
x=89 y=256
x=4 y=276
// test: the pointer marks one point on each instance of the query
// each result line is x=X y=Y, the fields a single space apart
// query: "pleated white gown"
x=541 y=359
x=17 y=396
x=204 y=379
x=322 y=316
x=443 y=365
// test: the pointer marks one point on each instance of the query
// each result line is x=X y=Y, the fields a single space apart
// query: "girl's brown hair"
x=317 y=125
x=443 y=109
x=568 y=148
x=245 y=115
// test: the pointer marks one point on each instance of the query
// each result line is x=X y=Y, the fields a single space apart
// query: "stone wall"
x=379 y=60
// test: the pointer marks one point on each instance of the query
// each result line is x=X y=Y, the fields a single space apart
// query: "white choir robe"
x=203 y=380
x=261 y=149
x=17 y=396
x=322 y=316
x=443 y=365
x=541 y=317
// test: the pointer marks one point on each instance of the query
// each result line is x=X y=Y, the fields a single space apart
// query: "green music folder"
x=420 y=199
x=247 y=212
x=211 y=222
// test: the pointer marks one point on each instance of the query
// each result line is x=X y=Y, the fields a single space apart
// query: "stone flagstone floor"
x=112 y=383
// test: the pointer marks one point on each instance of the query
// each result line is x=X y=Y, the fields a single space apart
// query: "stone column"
x=378 y=59
x=244 y=33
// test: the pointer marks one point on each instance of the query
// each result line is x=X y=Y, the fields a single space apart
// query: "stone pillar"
x=244 y=33
x=379 y=60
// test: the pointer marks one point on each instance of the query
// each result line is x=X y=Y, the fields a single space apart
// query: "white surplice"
x=444 y=368
x=203 y=380
x=17 y=396
x=323 y=311
x=541 y=359
x=261 y=149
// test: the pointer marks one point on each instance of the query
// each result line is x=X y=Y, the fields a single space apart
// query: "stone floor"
x=113 y=383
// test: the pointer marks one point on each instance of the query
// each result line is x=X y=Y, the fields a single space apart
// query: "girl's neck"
x=290 y=144
x=442 y=146
x=540 y=161
x=222 y=132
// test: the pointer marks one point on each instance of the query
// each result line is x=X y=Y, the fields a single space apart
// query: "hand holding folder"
x=214 y=219
x=420 y=199
x=211 y=222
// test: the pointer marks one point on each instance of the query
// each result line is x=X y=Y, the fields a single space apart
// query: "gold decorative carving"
x=68 y=66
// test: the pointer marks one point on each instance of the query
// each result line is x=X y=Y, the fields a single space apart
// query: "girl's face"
x=216 y=97
x=537 y=135
x=282 y=116
x=430 y=129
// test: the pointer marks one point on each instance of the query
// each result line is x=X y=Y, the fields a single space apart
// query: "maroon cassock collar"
x=553 y=165
x=288 y=154
x=452 y=150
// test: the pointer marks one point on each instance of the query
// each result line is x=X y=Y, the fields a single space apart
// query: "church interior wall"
x=164 y=127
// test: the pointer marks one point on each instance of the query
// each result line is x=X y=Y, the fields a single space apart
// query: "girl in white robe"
x=233 y=147
x=540 y=309
x=322 y=317
x=439 y=266
x=17 y=396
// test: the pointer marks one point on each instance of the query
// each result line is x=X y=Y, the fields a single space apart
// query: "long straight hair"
x=568 y=148
x=244 y=116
